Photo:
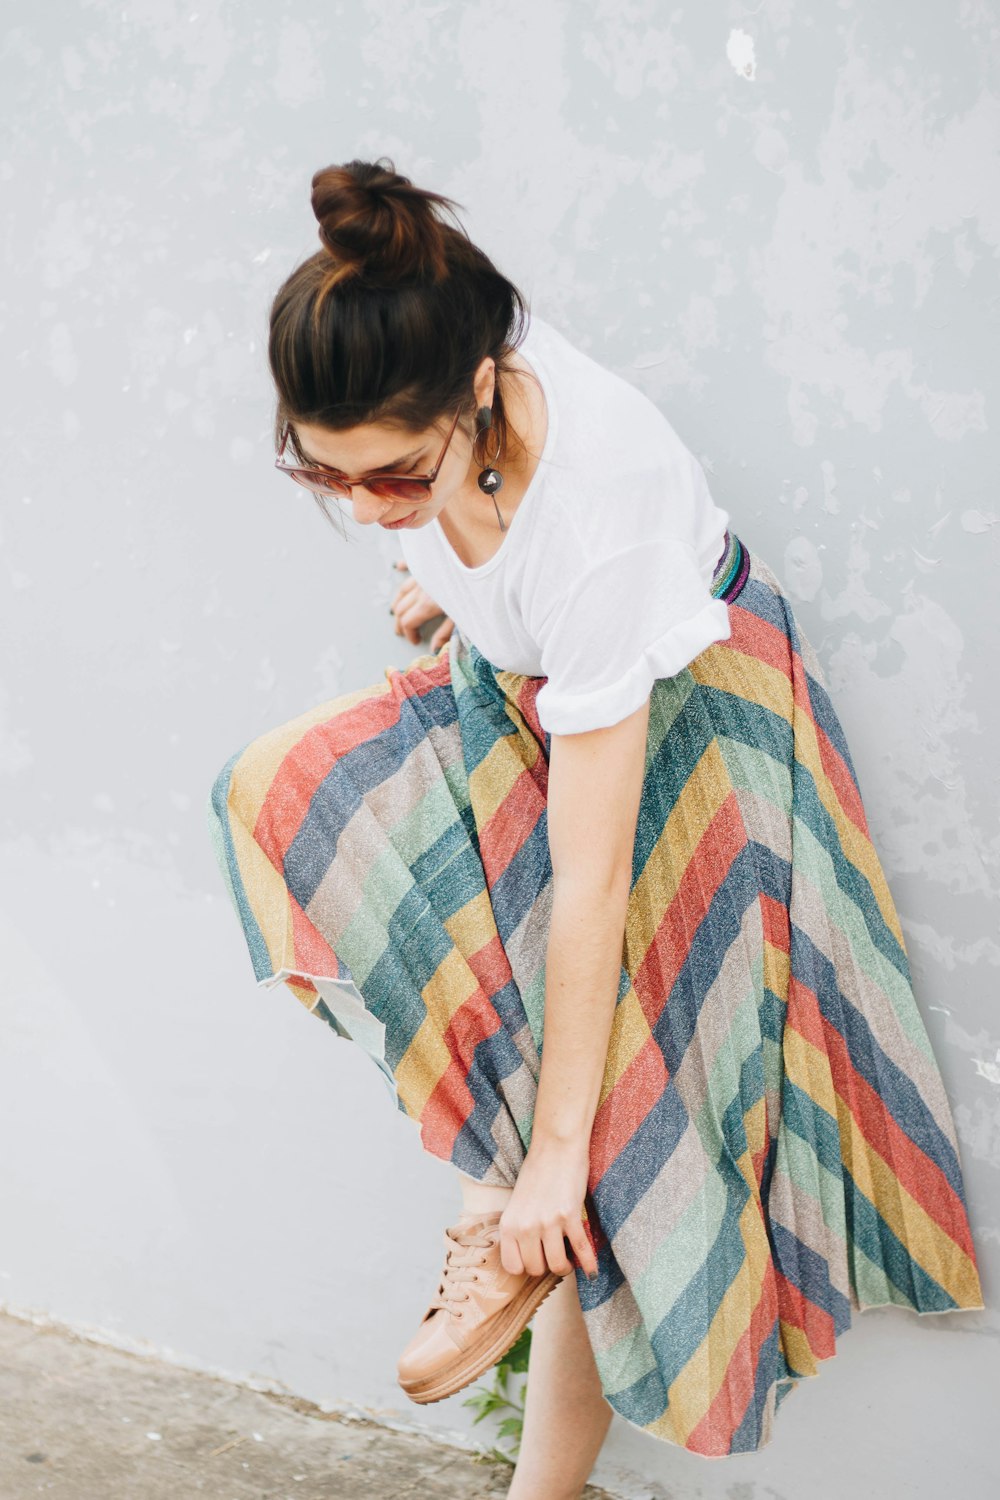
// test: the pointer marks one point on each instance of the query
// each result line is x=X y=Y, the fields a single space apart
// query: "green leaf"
x=488 y=1400
x=517 y=1355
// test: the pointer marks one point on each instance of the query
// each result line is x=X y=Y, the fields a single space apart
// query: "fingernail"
x=591 y=1275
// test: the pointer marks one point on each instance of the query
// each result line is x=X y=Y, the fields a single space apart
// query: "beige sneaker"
x=477 y=1313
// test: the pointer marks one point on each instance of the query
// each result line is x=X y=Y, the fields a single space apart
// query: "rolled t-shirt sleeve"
x=637 y=613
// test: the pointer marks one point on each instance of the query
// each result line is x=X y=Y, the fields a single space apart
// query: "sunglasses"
x=325 y=481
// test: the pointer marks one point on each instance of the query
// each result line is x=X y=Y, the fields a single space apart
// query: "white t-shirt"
x=602 y=582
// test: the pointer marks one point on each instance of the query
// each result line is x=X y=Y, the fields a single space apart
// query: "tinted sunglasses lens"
x=401 y=489
x=320 y=484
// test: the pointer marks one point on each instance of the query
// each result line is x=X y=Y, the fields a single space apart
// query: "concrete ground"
x=81 y=1421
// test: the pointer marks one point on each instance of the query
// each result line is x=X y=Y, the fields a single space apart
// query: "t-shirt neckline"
x=536 y=480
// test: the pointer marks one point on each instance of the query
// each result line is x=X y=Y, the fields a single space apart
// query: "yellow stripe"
x=490 y=783
x=755 y=1126
x=763 y=684
x=698 y=1383
x=797 y=1349
x=930 y=1246
x=744 y=676
x=629 y=1034
x=808 y=1067
x=925 y=1240
x=649 y=901
x=427 y=1057
x=250 y=781
x=265 y=888
x=471 y=928
x=309 y=998
x=777 y=969
x=257 y=767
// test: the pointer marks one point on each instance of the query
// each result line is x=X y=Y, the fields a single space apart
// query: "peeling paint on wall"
x=740 y=52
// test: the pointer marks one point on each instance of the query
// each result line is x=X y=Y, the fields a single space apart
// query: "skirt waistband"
x=732 y=569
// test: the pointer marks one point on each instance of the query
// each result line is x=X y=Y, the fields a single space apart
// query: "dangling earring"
x=490 y=479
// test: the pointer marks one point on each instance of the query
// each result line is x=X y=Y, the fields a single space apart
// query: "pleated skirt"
x=773 y=1145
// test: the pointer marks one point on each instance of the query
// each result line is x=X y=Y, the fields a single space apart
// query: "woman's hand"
x=545 y=1205
x=413 y=607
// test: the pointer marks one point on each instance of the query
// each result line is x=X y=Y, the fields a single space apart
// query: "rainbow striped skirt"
x=773 y=1146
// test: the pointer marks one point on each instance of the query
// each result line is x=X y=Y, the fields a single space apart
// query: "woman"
x=613 y=802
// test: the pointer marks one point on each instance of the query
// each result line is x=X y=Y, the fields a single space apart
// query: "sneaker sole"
x=510 y=1324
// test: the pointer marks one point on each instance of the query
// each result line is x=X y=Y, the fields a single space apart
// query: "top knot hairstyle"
x=390 y=319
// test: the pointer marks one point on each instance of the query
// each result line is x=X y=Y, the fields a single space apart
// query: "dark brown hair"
x=390 y=319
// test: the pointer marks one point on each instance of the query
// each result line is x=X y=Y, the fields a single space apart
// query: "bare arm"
x=595 y=781
x=413 y=607
x=595 y=784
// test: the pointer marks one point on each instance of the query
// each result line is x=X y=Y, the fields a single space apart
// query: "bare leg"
x=566 y=1417
x=480 y=1197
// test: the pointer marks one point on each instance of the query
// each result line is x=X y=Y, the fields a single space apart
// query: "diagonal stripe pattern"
x=773 y=1145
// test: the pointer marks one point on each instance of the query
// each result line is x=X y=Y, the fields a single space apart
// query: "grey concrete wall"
x=781 y=222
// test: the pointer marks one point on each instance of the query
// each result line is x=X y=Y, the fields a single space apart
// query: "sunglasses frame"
x=368 y=481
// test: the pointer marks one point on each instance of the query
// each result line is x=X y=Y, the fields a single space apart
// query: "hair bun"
x=376 y=224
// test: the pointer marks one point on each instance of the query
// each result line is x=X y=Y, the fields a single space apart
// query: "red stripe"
x=707 y=869
x=312 y=757
x=761 y=640
x=638 y=1089
x=757 y=638
x=834 y=766
x=513 y=823
x=713 y=1435
x=525 y=698
x=310 y=951
x=922 y=1178
x=451 y=1101
x=643 y=1082
x=445 y=1112
x=815 y=1322
x=491 y=965
x=777 y=924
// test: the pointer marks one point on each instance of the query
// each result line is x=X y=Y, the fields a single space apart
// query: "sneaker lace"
x=463 y=1257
